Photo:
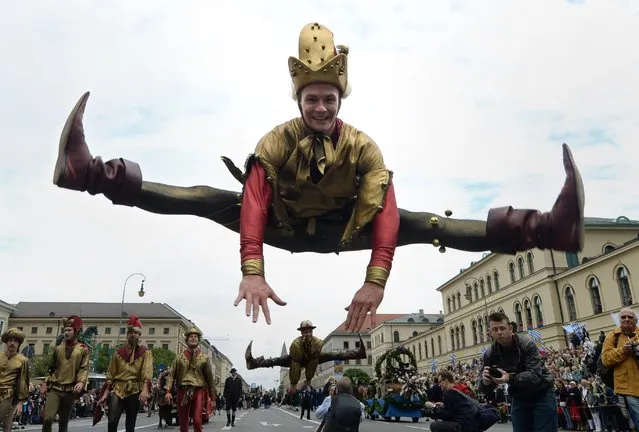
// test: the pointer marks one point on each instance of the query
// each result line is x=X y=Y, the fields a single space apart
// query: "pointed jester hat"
x=319 y=61
x=134 y=324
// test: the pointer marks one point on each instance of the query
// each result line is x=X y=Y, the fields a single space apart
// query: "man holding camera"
x=621 y=352
x=513 y=358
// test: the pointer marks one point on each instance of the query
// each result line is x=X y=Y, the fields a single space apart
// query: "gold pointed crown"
x=193 y=330
x=320 y=60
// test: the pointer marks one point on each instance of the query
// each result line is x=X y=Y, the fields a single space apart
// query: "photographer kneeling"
x=514 y=359
x=457 y=412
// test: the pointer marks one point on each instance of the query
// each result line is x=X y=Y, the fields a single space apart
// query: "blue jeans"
x=537 y=414
x=632 y=403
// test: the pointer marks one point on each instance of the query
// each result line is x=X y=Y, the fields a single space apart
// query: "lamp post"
x=140 y=293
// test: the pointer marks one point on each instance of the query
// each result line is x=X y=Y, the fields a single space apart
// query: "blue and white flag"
x=535 y=335
x=483 y=350
x=433 y=365
x=453 y=358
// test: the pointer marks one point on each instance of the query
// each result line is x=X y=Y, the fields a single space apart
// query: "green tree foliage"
x=101 y=356
x=162 y=357
x=358 y=376
x=39 y=365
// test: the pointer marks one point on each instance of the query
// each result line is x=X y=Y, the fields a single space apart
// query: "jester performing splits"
x=317 y=184
x=305 y=352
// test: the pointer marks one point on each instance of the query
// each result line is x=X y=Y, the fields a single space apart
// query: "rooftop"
x=93 y=310
x=418 y=318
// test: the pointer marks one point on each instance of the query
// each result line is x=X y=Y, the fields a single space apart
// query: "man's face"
x=133 y=337
x=193 y=341
x=628 y=320
x=501 y=332
x=445 y=385
x=319 y=104
x=69 y=334
x=307 y=334
x=12 y=346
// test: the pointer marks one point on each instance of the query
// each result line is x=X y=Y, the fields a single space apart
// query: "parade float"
x=401 y=391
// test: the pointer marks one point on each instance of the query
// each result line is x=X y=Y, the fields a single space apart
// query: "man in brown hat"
x=14 y=378
x=317 y=184
x=304 y=352
x=193 y=374
x=129 y=378
x=68 y=376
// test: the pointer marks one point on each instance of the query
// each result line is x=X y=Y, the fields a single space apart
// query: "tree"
x=162 y=357
x=358 y=376
x=39 y=365
x=101 y=354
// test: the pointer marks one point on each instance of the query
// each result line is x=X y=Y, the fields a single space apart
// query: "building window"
x=49 y=330
x=454 y=303
x=473 y=326
x=489 y=284
x=528 y=313
x=487 y=327
x=570 y=303
x=165 y=346
x=358 y=361
x=538 y=313
x=496 y=280
x=166 y=330
x=419 y=348
x=518 y=318
x=34 y=330
x=449 y=308
x=357 y=344
x=571 y=259
x=415 y=333
x=45 y=348
x=457 y=342
x=439 y=344
x=432 y=346
x=476 y=289
x=452 y=339
x=531 y=263
x=152 y=330
x=107 y=330
x=149 y=346
x=426 y=349
x=345 y=344
x=511 y=271
x=608 y=248
x=595 y=295
x=624 y=286
x=370 y=360
x=520 y=264
x=368 y=344
x=396 y=336
x=121 y=330
x=481 y=288
x=463 y=336
x=480 y=327
x=458 y=299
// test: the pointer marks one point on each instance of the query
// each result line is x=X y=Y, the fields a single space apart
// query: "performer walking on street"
x=128 y=378
x=232 y=394
x=317 y=184
x=193 y=374
x=68 y=376
x=14 y=378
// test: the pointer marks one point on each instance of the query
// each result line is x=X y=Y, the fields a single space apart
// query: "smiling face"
x=319 y=104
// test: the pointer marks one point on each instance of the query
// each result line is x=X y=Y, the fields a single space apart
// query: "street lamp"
x=140 y=293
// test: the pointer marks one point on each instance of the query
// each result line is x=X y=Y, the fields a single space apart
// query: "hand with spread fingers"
x=256 y=292
x=365 y=300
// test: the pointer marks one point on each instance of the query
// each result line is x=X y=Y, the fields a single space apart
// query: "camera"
x=635 y=348
x=494 y=372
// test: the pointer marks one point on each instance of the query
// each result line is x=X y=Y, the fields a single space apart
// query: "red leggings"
x=196 y=403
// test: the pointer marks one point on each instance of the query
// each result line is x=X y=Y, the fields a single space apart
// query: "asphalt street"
x=260 y=420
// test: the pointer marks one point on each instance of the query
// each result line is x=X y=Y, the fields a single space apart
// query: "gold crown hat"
x=193 y=330
x=320 y=61
x=13 y=333
x=306 y=324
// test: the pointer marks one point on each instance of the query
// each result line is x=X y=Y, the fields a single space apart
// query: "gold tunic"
x=69 y=371
x=196 y=372
x=128 y=373
x=353 y=173
x=12 y=369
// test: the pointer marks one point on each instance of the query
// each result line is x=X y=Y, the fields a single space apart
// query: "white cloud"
x=452 y=92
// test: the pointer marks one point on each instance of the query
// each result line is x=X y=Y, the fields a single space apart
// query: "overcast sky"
x=469 y=102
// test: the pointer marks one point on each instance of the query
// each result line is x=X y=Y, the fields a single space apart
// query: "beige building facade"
x=5 y=312
x=540 y=290
x=162 y=327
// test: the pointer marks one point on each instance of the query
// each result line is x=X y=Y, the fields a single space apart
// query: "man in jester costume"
x=305 y=352
x=317 y=184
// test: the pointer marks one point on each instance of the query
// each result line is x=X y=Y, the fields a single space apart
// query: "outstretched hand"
x=256 y=292
x=365 y=300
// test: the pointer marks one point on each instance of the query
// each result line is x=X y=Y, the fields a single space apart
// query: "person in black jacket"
x=514 y=359
x=232 y=394
x=457 y=412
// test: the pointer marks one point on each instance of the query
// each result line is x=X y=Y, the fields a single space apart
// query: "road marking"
x=294 y=415
x=417 y=427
